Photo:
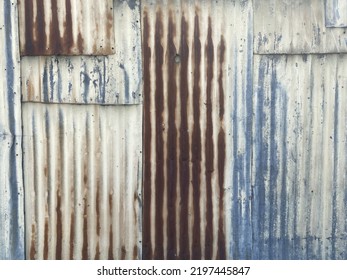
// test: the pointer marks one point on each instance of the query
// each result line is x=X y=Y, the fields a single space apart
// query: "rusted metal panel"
x=113 y=79
x=295 y=27
x=299 y=164
x=70 y=27
x=82 y=172
x=197 y=123
x=335 y=13
x=11 y=186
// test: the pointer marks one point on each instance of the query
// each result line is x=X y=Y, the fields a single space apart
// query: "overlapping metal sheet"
x=11 y=185
x=336 y=13
x=113 y=79
x=295 y=27
x=299 y=165
x=82 y=175
x=49 y=27
x=197 y=129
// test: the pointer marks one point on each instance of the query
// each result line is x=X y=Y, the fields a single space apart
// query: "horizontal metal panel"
x=335 y=13
x=49 y=27
x=299 y=185
x=11 y=189
x=295 y=27
x=82 y=175
x=197 y=124
x=114 y=79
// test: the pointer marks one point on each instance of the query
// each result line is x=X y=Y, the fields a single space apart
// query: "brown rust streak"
x=45 y=249
x=32 y=245
x=59 y=245
x=171 y=143
x=196 y=143
x=29 y=28
x=184 y=143
x=86 y=205
x=147 y=193
x=72 y=234
x=209 y=150
x=221 y=250
x=68 y=35
x=110 y=248
x=54 y=36
x=159 y=139
x=123 y=253
x=40 y=42
x=135 y=253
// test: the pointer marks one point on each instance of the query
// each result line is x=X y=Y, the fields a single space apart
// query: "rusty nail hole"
x=177 y=58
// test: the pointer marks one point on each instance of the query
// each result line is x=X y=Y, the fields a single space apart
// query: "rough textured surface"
x=11 y=187
x=295 y=27
x=197 y=124
x=82 y=174
x=335 y=13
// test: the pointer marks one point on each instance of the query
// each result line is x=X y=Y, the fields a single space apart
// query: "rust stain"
x=209 y=150
x=110 y=248
x=171 y=142
x=221 y=253
x=159 y=108
x=72 y=235
x=68 y=33
x=98 y=226
x=85 y=232
x=135 y=253
x=45 y=249
x=40 y=32
x=123 y=253
x=196 y=142
x=147 y=193
x=184 y=143
x=29 y=28
x=97 y=252
x=54 y=44
x=59 y=225
x=32 y=245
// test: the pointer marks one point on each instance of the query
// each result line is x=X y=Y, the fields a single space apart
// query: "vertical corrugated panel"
x=197 y=129
x=82 y=172
x=295 y=27
x=11 y=189
x=335 y=13
x=299 y=207
x=113 y=79
x=49 y=27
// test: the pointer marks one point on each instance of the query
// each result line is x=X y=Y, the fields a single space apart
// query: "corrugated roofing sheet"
x=295 y=27
x=299 y=166
x=113 y=79
x=82 y=174
x=197 y=129
x=336 y=13
x=11 y=185
x=49 y=27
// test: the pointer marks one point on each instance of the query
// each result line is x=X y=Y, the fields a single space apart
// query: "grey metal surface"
x=295 y=27
x=11 y=185
x=82 y=175
x=335 y=13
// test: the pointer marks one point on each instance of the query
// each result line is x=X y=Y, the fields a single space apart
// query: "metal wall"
x=197 y=128
x=11 y=185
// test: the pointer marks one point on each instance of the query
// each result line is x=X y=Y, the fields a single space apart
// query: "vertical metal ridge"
x=80 y=166
x=185 y=111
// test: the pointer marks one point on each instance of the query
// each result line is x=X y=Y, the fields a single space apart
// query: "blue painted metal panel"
x=11 y=189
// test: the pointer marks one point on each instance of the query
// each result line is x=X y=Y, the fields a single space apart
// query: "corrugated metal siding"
x=299 y=165
x=197 y=129
x=82 y=171
x=113 y=79
x=336 y=13
x=294 y=27
x=11 y=185
x=49 y=27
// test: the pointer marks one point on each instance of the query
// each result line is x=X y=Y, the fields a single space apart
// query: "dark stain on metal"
x=221 y=253
x=209 y=150
x=110 y=248
x=49 y=190
x=98 y=226
x=40 y=26
x=45 y=247
x=29 y=28
x=85 y=232
x=55 y=45
x=171 y=178
x=147 y=193
x=196 y=142
x=60 y=175
x=123 y=253
x=184 y=143
x=159 y=143
x=72 y=234
x=97 y=252
x=67 y=37
x=32 y=244
x=135 y=253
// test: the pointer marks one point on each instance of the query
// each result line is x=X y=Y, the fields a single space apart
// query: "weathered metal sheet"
x=299 y=164
x=113 y=79
x=336 y=13
x=11 y=189
x=197 y=129
x=82 y=175
x=49 y=27
x=295 y=27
